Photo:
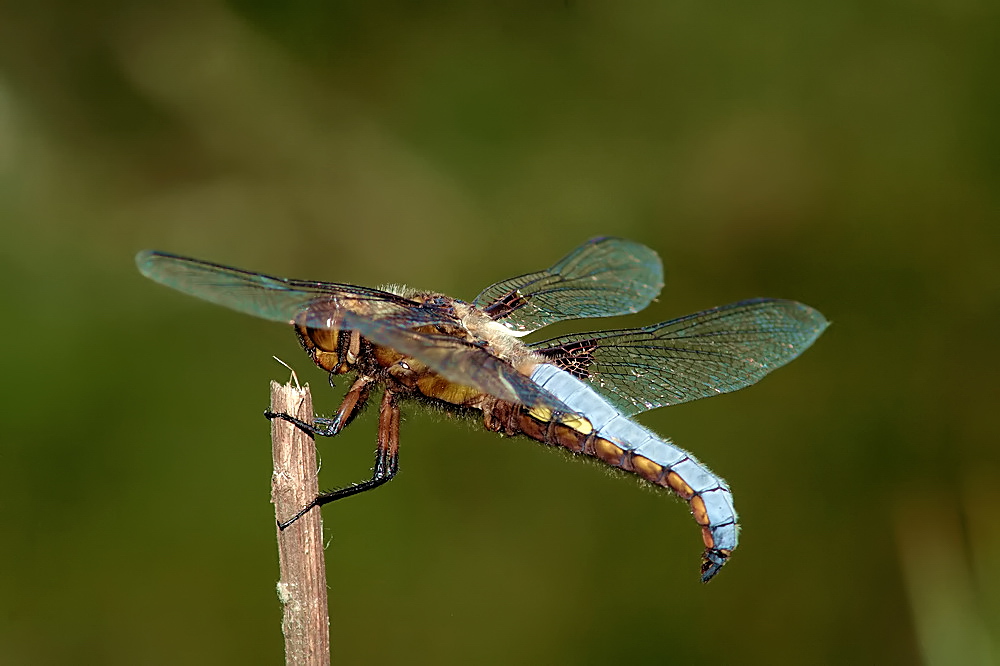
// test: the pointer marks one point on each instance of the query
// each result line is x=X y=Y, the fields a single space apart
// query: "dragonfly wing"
x=704 y=354
x=601 y=278
x=382 y=317
x=281 y=299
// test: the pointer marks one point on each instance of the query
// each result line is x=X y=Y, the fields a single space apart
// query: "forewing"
x=716 y=351
x=382 y=317
x=314 y=304
x=601 y=278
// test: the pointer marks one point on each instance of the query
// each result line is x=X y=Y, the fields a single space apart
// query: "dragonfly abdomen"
x=605 y=433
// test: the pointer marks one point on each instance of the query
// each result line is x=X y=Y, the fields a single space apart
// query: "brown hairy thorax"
x=341 y=351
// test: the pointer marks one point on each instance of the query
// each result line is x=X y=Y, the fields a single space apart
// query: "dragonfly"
x=579 y=392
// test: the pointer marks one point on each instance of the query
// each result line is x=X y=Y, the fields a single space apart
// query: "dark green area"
x=842 y=155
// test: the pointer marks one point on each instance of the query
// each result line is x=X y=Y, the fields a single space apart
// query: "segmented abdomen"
x=607 y=434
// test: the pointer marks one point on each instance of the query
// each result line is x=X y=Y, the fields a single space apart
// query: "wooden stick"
x=302 y=585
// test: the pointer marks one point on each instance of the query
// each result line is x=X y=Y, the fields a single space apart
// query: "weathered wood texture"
x=302 y=583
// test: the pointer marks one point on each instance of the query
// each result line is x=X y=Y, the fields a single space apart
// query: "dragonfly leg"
x=356 y=396
x=386 y=459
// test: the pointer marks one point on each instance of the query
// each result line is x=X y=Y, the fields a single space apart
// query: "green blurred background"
x=845 y=155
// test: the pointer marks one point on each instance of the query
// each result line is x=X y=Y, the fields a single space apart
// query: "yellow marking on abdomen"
x=679 y=485
x=699 y=511
x=647 y=469
x=608 y=452
x=578 y=423
x=540 y=413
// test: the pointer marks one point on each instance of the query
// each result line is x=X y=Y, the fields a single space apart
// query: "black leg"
x=355 y=398
x=384 y=471
x=386 y=460
x=319 y=426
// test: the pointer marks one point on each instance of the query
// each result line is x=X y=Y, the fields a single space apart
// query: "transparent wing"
x=285 y=300
x=601 y=278
x=700 y=355
x=381 y=317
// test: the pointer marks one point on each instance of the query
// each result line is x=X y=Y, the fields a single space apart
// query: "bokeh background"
x=845 y=155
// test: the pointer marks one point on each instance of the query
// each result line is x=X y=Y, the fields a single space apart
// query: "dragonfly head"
x=333 y=349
